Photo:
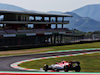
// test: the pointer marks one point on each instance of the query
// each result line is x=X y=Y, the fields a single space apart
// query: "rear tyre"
x=78 y=63
x=66 y=68
x=45 y=68
x=77 y=68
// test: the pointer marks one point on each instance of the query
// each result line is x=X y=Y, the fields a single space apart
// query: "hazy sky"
x=50 y=5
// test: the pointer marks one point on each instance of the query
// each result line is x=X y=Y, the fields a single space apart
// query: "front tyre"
x=66 y=68
x=45 y=68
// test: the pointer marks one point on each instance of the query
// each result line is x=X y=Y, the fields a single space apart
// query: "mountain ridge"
x=84 y=24
x=10 y=7
x=91 y=11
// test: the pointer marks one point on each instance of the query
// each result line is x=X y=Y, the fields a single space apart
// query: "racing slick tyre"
x=45 y=68
x=66 y=68
x=77 y=68
x=78 y=63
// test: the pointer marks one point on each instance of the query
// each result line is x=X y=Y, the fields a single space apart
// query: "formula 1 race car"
x=63 y=65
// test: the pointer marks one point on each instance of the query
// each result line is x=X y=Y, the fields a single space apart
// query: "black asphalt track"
x=6 y=61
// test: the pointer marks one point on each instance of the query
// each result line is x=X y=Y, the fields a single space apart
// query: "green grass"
x=89 y=62
x=55 y=48
x=77 y=46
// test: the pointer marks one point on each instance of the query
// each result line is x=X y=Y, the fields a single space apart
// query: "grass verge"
x=89 y=62
x=51 y=48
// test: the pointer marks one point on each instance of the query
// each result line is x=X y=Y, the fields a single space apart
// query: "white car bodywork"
x=59 y=65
